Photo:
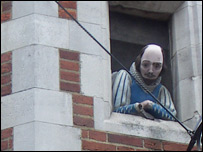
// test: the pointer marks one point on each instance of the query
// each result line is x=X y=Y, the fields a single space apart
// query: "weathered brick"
x=5 y=68
x=69 y=55
x=5 y=17
x=6 y=6
x=152 y=144
x=69 y=65
x=85 y=133
x=63 y=14
x=5 y=79
x=6 y=57
x=4 y=145
x=6 y=133
x=69 y=76
x=82 y=99
x=124 y=148
x=82 y=110
x=6 y=90
x=97 y=135
x=127 y=140
x=168 y=146
x=84 y=122
x=94 y=146
x=69 y=4
x=66 y=86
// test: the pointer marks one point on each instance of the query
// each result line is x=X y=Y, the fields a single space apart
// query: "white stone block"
x=23 y=8
x=17 y=33
x=35 y=66
x=187 y=63
x=53 y=107
x=39 y=136
x=36 y=105
x=52 y=31
x=104 y=109
x=17 y=109
x=189 y=99
x=34 y=29
x=89 y=11
x=82 y=42
x=95 y=76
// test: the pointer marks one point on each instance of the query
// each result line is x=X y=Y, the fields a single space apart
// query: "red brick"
x=174 y=146
x=5 y=79
x=6 y=6
x=97 y=135
x=152 y=144
x=69 y=65
x=69 y=55
x=123 y=148
x=70 y=87
x=82 y=99
x=6 y=133
x=82 y=110
x=69 y=4
x=5 y=17
x=84 y=122
x=4 y=145
x=85 y=133
x=69 y=76
x=127 y=140
x=10 y=143
x=63 y=14
x=5 y=68
x=6 y=90
x=6 y=57
x=94 y=146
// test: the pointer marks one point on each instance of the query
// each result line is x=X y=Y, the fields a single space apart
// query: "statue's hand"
x=147 y=104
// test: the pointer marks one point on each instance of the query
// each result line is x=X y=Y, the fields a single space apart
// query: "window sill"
x=144 y=128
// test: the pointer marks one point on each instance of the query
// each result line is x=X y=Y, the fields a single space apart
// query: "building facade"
x=56 y=81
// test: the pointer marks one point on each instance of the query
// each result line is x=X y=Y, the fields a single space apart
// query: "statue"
x=129 y=97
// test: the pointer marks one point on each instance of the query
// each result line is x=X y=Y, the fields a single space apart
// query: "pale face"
x=151 y=62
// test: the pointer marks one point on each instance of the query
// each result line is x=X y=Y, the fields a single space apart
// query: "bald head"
x=151 y=62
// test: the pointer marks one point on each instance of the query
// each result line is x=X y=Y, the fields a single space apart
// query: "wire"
x=188 y=131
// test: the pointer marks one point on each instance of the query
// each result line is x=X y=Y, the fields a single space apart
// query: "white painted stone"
x=17 y=109
x=94 y=80
x=39 y=136
x=35 y=66
x=17 y=33
x=187 y=60
x=53 y=107
x=188 y=63
x=189 y=97
x=24 y=137
x=82 y=42
x=36 y=105
x=23 y=8
x=34 y=29
x=136 y=126
x=187 y=26
x=90 y=11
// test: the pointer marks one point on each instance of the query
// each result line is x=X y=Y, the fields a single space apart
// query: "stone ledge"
x=136 y=125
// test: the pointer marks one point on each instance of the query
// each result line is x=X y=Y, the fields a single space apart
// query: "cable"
x=188 y=131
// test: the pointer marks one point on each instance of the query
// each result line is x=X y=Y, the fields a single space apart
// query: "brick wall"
x=6 y=10
x=6 y=73
x=83 y=114
x=70 y=6
x=7 y=139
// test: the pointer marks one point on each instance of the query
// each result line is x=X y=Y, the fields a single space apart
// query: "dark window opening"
x=129 y=33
